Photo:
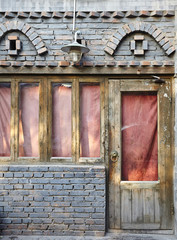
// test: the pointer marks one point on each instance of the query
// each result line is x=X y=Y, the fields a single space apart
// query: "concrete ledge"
x=106 y=237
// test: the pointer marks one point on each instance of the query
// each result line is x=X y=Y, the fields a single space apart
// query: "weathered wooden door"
x=140 y=192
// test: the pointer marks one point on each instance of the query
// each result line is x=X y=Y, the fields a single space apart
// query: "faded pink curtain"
x=139 y=137
x=5 y=115
x=89 y=120
x=61 y=120
x=29 y=120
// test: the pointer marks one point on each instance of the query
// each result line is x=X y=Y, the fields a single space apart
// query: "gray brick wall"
x=52 y=200
x=96 y=29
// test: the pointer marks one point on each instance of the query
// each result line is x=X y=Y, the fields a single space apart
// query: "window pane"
x=5 y=115
x=29 y=120
x=61 y=120
x=89 y=120
x=139 y=137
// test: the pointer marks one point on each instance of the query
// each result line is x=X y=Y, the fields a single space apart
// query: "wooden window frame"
x=16 y=126
x=50 y=81
x=75 y=81
x=45 y=119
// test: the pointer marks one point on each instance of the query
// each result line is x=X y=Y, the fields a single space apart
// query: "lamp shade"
x=75 y=51
x=75 y=46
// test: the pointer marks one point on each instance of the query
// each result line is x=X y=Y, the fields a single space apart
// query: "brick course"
x=52 y=200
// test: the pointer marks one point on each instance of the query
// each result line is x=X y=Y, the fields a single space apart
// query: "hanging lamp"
x=75 y=49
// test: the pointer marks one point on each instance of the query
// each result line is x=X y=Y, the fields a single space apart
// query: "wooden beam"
x=167 y=70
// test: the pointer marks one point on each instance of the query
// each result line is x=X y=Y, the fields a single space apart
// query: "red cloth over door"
x=139 y=137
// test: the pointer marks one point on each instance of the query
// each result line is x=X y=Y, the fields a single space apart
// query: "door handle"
x=114 y=156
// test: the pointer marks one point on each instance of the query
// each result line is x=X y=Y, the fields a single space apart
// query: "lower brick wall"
x=52 y=200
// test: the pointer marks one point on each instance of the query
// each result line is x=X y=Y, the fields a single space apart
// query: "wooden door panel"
x=140 y=204
x=126 y=206
x=137 y=206
x=157 y=205
x=140 y=209
x=149 y=208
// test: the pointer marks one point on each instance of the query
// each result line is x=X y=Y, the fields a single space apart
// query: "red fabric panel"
x=61 y=121
x=29 y=121
x=5 y=114
x=89 y=120
x=139 y=138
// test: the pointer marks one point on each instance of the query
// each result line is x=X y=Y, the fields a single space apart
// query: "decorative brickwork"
x=25 y=29
x=91 y=14
x=13 y=45
x=148 y=28
x=42 y=35
x=144 y=45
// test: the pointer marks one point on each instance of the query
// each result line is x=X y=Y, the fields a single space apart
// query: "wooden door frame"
x=172 y=142
x=145 y=72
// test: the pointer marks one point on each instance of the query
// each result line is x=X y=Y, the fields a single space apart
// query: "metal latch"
x=114 y=156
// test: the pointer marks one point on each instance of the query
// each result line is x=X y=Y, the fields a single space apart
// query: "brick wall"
x=54 y=30
x=52 y=200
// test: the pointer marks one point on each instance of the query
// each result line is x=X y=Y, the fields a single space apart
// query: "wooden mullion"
x=106 y=122
x=77 y=117
x=74 y=121
x=106 y=145
x=102 y=123
x=49 y=119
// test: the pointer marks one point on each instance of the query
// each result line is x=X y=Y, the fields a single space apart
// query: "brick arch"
x=27 y=30
x=152 y=30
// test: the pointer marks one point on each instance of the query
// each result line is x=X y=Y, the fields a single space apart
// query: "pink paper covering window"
x=5 y=115
x=139 y=137
x=61 y=120
x=89 y=120
x=29 y=120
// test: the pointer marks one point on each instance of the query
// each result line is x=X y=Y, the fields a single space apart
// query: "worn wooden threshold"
x=163 y=232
